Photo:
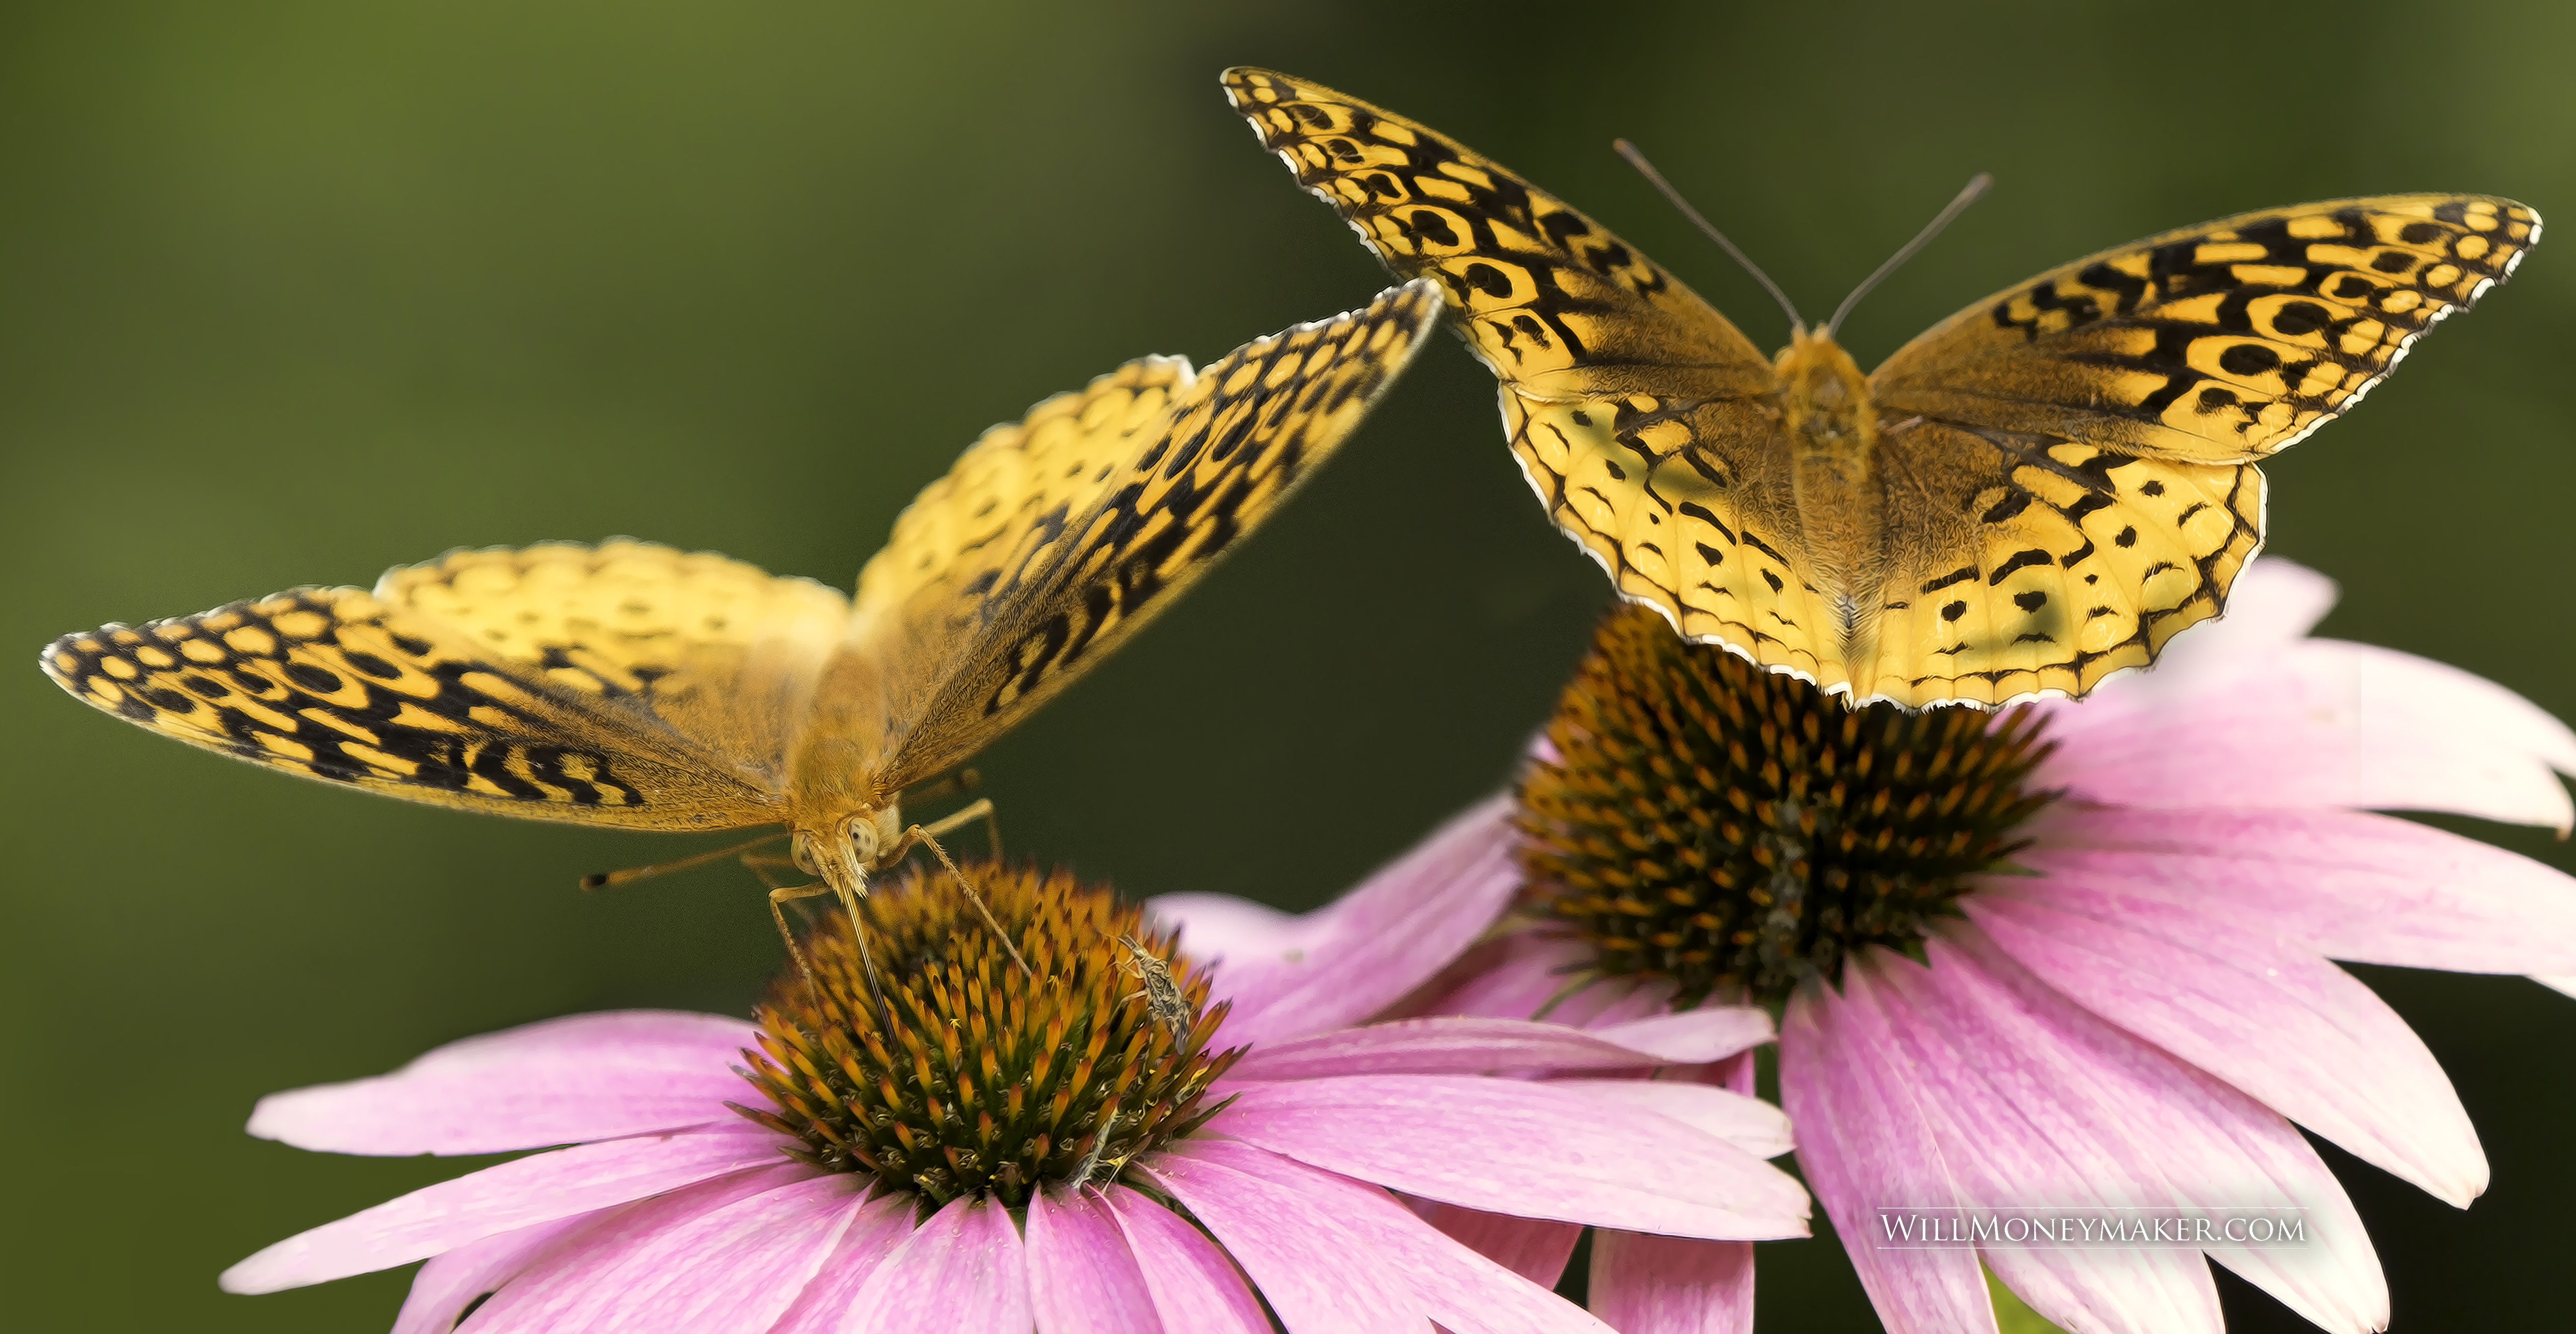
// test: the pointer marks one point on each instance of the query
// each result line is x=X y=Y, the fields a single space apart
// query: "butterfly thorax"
x=1832 y=431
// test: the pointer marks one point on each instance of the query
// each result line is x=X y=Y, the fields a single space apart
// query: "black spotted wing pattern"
x=333 y=684
x=1234 y=440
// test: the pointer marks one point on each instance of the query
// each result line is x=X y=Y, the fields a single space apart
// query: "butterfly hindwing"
x=1169 y=500
x=1689 y=509
x=2031 y=565
x=336 y=684
x=2223 y=342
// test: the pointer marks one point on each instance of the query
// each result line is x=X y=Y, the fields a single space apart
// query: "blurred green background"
x=291 y=292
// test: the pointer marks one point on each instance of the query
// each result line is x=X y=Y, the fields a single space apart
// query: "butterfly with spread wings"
x=631 y=684
x=2034 y=494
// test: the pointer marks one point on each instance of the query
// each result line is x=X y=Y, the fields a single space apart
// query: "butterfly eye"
x=804 y=855
x=863 y=838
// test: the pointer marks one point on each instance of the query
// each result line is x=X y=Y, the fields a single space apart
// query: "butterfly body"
x=2032 y=495
x=633 y=685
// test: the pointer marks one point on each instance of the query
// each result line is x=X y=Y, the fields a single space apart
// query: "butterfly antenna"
x=1647 y=169
x=628 y=876
x=1977 y=186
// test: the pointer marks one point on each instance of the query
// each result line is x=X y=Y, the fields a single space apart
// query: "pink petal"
x=963 y=1272
x=1672 y=1285
x=1085 y=1279
x=722 y=1257
x=1742 y=1120
x=564 y=1081
x=511 y=1196
x=2009 y=1139
x=1333 y=1255
x=1196 y=1287
x=1867 y=1142
x=829 y=1303
x=1537 y=975
x=2298 y=1033
x=1218 y=927
x=1382 y=939
x=1448 y=1045
x=1517 y=977
x=2319 y=723
x=2346 y=884
x=1522 y=1148
x=1533 y=1248
x=451 y=1282
x=2078 y=1109
x=2275 y=603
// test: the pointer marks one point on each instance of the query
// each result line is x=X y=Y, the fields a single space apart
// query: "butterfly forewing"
x=2217 y=343
x=1549 y=299
x=337 y=684
x=717 y=653
x=1640 y=416
x=1165 y=501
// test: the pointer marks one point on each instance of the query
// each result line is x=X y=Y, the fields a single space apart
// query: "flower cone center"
x=976 y=1078
x=1734 y=831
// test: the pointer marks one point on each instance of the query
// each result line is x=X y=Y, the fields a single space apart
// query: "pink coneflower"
x=1064 y=1151
x=2072 y=957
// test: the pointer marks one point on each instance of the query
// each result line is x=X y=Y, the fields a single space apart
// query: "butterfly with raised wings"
x=2032 y=495
x=635 y=685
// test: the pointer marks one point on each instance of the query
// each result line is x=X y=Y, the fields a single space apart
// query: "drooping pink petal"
x=505 y=1198
x=1082 y=1275
x=829 y=1303
x=2346 y=884
x=2319 y=723
x=963 y=1272
x=722 y=1257
x=1450 y=1045
x=1522 y=1148
x=1196 y=1286
x=1690 y=1037
x=2124 y=1120
x=1381 y=940
x=1868 y=1144
x=1534 y=1248
x=1517 y=977
x=2012 y=1140
x=1335 y=1256
x=2298 y=1033
x=1740 y=1119
x=1671 y=1285
x=451 y=1282
x=563 y=1081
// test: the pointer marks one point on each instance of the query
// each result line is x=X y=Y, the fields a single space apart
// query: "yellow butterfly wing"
x=2077 y=482
x=1640 y=416
x=625 y=684
x=1055 y=538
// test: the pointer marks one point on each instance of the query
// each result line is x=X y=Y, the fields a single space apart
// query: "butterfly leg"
x=982 y=810
x=858 y=932
x=928 y=836
x=790 y=894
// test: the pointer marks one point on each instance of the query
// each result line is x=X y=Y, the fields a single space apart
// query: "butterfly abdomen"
x=1832 y=429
